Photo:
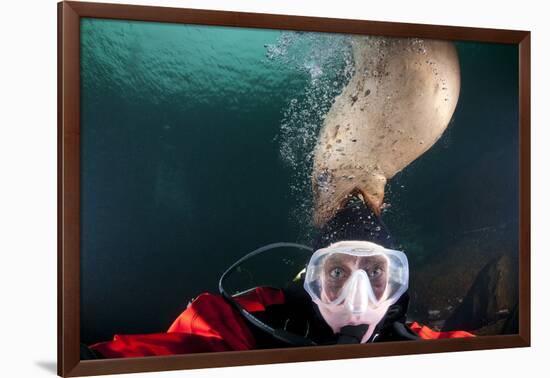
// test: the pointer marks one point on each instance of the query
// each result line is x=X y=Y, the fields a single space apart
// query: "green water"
x=196 y=146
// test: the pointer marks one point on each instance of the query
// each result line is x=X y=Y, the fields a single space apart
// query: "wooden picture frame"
x=69 y=231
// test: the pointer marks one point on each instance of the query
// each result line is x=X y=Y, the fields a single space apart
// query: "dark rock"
x=491 y=301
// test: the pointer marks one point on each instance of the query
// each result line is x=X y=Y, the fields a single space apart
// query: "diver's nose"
x=358 y=298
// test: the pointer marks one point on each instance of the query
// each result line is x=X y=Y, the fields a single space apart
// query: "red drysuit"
x=210 y=324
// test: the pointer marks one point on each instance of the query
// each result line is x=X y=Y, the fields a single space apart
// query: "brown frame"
x=69 y=14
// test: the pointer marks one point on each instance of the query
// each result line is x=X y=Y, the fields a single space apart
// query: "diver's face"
x=339 y=267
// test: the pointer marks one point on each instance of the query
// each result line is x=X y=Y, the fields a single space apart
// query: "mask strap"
x=280 y=334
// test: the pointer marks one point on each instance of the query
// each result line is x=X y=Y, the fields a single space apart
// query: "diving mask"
x=355 y=282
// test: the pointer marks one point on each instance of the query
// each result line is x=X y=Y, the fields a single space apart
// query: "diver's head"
x=354 y=283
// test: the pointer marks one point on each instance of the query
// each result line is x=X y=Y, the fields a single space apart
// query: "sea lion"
x=394 y=108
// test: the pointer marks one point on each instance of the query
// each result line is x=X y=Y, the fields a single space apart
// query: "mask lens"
x=339 y=267
x=337 y=270
x=332 y=272
x=376 y=267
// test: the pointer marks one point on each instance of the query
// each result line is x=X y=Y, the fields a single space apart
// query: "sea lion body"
x=395 y=107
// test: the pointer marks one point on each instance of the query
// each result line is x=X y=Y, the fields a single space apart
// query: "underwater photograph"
x=247 y=188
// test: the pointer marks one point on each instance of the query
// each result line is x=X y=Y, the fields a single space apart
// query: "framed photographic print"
x=239 y=188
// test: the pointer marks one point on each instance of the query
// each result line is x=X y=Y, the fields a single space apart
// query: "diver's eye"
x=337 y=273
x=375 y=273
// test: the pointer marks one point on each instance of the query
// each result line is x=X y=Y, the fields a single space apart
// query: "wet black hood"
x=356 y=221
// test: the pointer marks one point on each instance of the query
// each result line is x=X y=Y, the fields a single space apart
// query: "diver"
x=353 y=290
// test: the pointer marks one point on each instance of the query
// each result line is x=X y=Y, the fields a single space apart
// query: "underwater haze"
x=197 y=145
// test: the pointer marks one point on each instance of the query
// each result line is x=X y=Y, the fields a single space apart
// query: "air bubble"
x=327 y=61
